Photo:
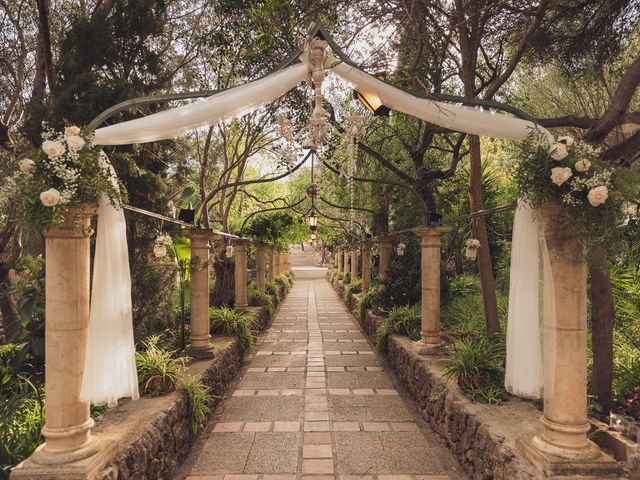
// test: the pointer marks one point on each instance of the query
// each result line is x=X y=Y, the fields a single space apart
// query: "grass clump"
x=366 y=301
x=405 y=320
x=477 y=366
x=159 y=371
x=231 y=322
x=351 y=288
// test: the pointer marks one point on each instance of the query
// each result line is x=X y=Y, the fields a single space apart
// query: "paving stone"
x=317 y=466
x=360 y=452
x=226 y=427
x=346 y=426
x=286 y=426
x=317 y=451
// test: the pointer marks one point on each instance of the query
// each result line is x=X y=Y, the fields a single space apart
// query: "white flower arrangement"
x=66 y=172
x=569 y=172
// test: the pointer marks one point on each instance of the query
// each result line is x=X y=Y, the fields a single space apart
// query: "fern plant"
x=231 y=322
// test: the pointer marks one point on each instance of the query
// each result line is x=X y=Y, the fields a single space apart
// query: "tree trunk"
x=602 y=318
x=222 y=292
x=8 y=306
x=485 y=266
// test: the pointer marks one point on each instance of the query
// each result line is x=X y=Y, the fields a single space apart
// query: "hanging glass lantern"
x=400 y=249
x=159 y=250
x=471 y=251
x=229 y=251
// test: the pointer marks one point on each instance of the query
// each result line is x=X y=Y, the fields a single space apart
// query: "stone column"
x=67 y=429
x=200 y=346
x=354 y=262
x=338 y=260
x=345 y=258
x=272 y=265
x=261 y=266
x=430 y=255
x=240 y=258
x=385 y=257
x=565 y=347
x=365 y=248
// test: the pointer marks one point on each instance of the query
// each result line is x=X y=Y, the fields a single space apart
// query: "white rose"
x=558 y=151
x=72 y=131
x=567 y=140
x=50 y=198
x=75 y=142
x=598 y=195
x=52 y=148
x=26 y=165
x=559 y=175
x=582 y=165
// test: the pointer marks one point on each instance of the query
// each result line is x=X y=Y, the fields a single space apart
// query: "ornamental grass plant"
x=234 y=323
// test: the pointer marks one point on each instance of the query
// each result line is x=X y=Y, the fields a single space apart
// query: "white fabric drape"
x=227 y=104
x=524 y=347
x=458 y=118
x=110 y=366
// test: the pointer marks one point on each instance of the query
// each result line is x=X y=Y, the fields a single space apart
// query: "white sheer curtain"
x=524 y=346
x=110 y=366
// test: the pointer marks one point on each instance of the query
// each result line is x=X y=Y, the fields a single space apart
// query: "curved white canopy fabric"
x=228 y=104
x=246 y=98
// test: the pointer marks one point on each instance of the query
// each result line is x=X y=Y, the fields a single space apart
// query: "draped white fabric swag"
x=110 y=371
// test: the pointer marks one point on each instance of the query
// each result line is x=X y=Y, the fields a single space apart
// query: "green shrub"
x=271 y=288
x=366 y=301
x=477 y=366
x=290 y=275
x=350 y=288
x=283 y=282
x=231 y=322
x=256 y=298
x=405 y=321
x=21 y=422
x=199 y=396
x=339 y=276
x=463 y=317
x=402 y=283
x=160 y=372
x=464 y=285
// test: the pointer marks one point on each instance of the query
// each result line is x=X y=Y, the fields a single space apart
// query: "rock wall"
x=150 y=438
x=482 y=437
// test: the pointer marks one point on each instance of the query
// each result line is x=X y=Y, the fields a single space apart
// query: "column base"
x=430 y=348
x=554 y=461
x=200 y=351
x=84 y=464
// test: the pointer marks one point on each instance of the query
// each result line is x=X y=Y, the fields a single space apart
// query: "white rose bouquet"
x=66 y=172
x=570 y=173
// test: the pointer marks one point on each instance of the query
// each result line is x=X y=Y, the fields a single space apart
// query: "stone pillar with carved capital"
x=354 y=262
x=200 y=346
x=563 y=447
x=240 y=259
x=365 y=248
x=385 y=257
x=430 y=255
x=261 y=266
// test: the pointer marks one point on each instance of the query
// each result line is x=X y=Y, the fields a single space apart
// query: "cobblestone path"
x=315 y=403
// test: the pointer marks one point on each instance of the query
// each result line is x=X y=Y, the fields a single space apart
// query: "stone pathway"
x=314 y=403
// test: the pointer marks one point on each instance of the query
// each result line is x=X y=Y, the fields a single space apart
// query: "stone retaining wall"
x=149 y=438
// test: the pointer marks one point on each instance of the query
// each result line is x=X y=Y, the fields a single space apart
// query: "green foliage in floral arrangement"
x=67 y=172
x=404 y=320
x=477 y=366
x=231 y=322
x=21 y=422
x=592 y=192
